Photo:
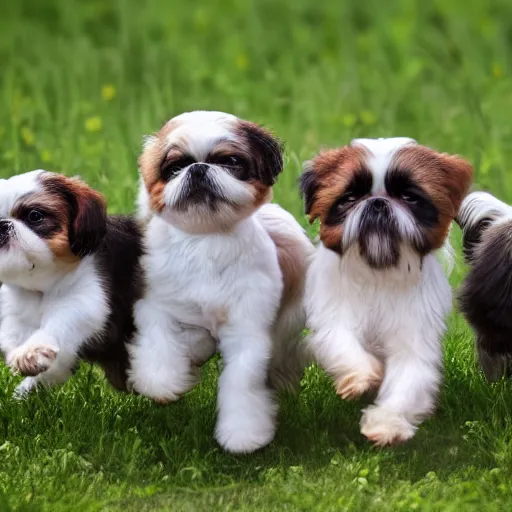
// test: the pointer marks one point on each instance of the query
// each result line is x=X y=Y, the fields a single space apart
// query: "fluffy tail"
x=295 y=251
x=485 y=297
x=479 y=211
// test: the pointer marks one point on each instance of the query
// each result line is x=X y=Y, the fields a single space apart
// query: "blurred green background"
x=81 y=82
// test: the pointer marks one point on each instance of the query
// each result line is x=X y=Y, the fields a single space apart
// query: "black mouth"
x=200 y=189
x=379 y=238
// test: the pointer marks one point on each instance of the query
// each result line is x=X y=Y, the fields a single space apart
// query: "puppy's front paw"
x=360 y=380
x=32 y=360
x=22 y=391
x=165 y=386
x=384 y=427
x=239 y=438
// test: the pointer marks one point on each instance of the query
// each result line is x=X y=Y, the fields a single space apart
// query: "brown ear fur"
x=326 y=176
x=266 y=150
x=446 y=178
x=87 y=212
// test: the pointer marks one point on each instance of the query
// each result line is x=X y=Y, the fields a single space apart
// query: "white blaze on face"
x=15 y=187
x=199 y=132
x=380 y=155
x=25 y=256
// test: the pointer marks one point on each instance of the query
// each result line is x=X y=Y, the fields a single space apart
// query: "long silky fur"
x=485 y=297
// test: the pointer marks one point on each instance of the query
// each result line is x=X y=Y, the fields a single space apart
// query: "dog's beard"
x=203 y=192
x=211 y=202
x=381 y=234
x=379 y=237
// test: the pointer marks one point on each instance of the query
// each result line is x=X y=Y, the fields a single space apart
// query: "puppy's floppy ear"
x=459 y=176
x=309 y=185
x=88 y=222
x=266 y=149
x=87 y=212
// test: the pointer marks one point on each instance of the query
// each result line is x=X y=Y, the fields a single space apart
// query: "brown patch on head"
x=444 y=178
x=150 y=163
x=327 y=178
x=67 y=213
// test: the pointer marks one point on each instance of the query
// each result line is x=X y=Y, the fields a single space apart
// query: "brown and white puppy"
x=376 y=295
x=70 y=276
x=485 y=297
x=224 y=270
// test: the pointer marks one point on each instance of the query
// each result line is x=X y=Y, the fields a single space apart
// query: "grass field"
x=81 y=82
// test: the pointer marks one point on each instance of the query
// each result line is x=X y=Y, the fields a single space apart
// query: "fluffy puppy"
x=224 y=271
x=485 y=297
x=376 y=295
x=70 y=277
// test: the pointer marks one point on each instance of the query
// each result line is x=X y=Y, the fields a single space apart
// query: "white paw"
x=164 y=386
x=246 y=420
x=32 y=359
x=25 y=388
x=353 y=383
x=385 y=427
x=247 y=436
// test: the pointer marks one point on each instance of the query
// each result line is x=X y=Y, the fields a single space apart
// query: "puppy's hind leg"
x=494 y=364
x=290 y=353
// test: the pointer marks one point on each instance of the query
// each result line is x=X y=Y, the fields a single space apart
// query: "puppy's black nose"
x=379 y=204
x=198 y=170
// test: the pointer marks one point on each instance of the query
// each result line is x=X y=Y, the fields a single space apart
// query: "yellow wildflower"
x=45 y=156
x=497 y=70
x=108 y=92
x=368 y=117
x=242 y=62
x=349 y=120
x=28 y=136
x=94 y=124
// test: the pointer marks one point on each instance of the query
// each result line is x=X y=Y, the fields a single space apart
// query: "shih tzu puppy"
x=225 y=271
x=485 y=297
x=376 y=295
x=70 y=275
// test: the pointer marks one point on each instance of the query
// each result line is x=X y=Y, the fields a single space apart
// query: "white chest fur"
x=202 y=279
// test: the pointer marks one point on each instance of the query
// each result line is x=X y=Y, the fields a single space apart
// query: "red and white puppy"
x=376 y=295
x=70 y=277
x=224 y=271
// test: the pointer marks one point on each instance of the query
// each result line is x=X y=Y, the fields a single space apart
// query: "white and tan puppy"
x=376 y=295
x=224 y=271
x=70 y=275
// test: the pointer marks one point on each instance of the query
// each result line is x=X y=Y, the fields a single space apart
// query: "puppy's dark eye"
x=409 y=197
x=237 y=166
x=35 y=217
x=348 y=198
x=170 y=168
x=228 y=161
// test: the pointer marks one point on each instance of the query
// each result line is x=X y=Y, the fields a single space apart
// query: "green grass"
x=318 y=73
